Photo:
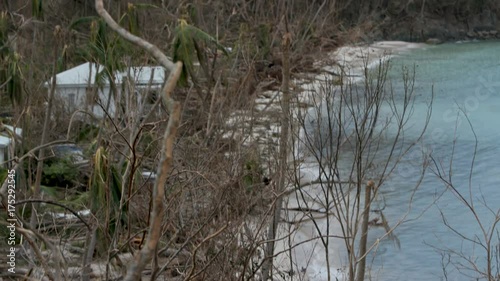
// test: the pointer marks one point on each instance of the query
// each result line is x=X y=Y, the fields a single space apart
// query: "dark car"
x=69 y=151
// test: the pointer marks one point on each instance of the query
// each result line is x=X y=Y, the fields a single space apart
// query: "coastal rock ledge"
x=419 y=21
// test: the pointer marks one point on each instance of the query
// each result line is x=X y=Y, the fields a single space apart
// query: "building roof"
x=144 y=74
x=84 y=75
x=81 y=75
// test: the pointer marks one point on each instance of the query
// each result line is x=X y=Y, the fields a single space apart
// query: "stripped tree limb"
x=150 y=48
x=174 y=108
x=146 y=253
x=267 y=267
x=364 y=231
x=27 y=234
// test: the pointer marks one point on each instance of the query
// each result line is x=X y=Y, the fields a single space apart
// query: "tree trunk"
x=174 y=108
x=283 y=157
x=364 y=233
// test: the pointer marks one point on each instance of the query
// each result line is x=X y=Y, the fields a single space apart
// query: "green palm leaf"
x=15 y=77
x=186 y=43
x=200 y=35
x=143 y=6
x=105 y=194
x=37 y=9
x=4 y=37
x=83 y=20
x=11 y=70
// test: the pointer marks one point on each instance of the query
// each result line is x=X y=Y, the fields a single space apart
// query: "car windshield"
x=71 y=151
x=67 y=150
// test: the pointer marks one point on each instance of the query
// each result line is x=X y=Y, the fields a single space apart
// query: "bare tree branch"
x=152 y=49
x=54 y=203
x=174 y=108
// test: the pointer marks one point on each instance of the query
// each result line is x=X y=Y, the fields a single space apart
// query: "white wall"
x=3 y=156
x=4 y=150
x=75 y=98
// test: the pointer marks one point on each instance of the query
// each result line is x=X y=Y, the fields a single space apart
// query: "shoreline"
x=308 y=252
x=262 y=125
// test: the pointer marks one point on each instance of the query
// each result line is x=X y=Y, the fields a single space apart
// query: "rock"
x=260 y=107
x=267 y=94
x=433 y=41
x=483 y=28
x=395 y=7
x=471 y=34
x=263 y=100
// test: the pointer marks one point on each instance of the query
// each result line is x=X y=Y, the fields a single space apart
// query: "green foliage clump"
x=131 y=18
x=11 y=68
x=264 y=39
x=3 y=174
x=252 y=174
x=105 y=195
x=37 y=9
x=60 y=173
x=190 y=41
x=148 y=145
x=255 y=42
x=338 y=81
x=102 y=48
x=87 y=133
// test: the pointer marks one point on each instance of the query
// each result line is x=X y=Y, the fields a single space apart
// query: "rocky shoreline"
x=420 y=21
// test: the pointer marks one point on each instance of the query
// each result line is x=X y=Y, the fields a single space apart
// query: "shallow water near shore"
x=465 y=79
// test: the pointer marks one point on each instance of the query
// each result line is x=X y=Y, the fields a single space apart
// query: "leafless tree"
x=485 y=262
x=351 y=138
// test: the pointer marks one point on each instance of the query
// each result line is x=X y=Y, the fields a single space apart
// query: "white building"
x=6 y=135
x=146 y=82
x=78 y=90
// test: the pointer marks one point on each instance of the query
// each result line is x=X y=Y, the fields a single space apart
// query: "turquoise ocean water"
x=440 y=238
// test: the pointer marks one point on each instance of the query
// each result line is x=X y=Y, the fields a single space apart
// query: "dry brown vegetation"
x=215 y=185
x=212 y=222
